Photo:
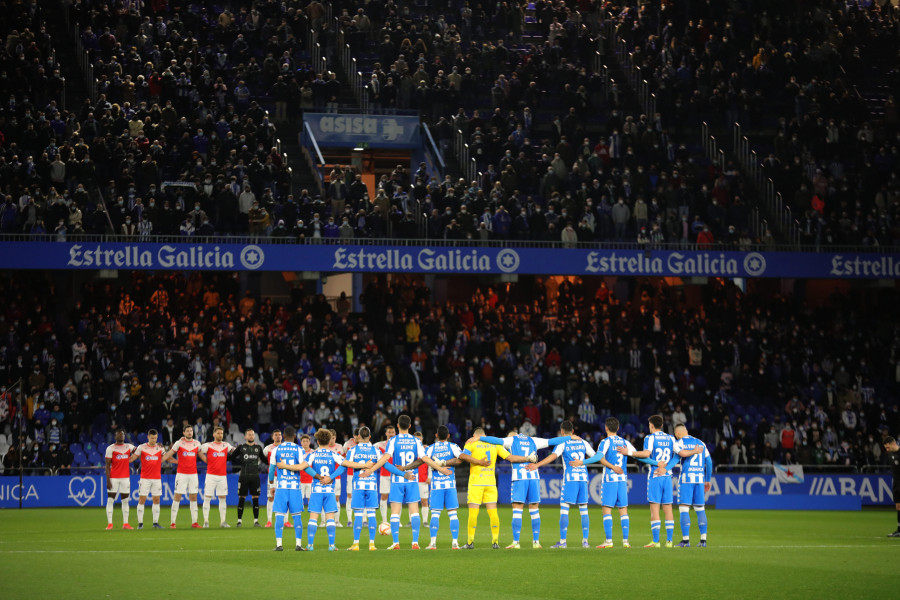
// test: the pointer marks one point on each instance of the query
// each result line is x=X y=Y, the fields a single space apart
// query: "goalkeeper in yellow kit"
x=483 y=484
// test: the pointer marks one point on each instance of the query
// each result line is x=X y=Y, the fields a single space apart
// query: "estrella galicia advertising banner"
x=90 y=490
x=331 y=257
x=372 y=131
x=872 y=490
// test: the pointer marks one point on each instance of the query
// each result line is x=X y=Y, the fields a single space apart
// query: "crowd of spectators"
x=795 y=76
x=760 y=378
x=190 y=93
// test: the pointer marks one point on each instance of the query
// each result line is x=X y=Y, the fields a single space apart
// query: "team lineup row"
x=301 y=478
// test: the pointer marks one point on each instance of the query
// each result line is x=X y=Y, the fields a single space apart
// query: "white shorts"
x=150 y=488
x=305 y=490
x=337 y=487
x=120 y=486
x=186 y=484
x=216 y=485
x=384 y=485
x=423 y=491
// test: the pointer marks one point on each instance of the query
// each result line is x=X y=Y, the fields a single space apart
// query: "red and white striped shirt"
x=186 y=451
x=151 y=461
x=217 y=457
x=120 y=454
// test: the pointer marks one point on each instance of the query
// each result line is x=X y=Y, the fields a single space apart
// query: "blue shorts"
x=526 y=491
x=287 y=502
x=659 y=490
x=404 y=492
x=574 y=492
x=441 y=499
x=691 y=493
x=322 y=502
x=615 y=494
x=364 y=499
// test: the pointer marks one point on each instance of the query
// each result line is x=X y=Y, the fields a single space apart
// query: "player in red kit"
x=215 y=455
x=186 y=481
x=118 y=457
x=150 y=455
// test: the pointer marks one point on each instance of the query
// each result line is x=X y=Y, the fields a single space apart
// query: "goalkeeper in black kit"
x=250 y=456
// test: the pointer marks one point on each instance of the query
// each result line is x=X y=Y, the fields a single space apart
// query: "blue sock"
x=329 y=526
x=454 y=524
x=685 y=525
x=625 y=524
x=435 y=522
x=607 y=526
x=670 y=530
x=415 y=522
x=585 y=523
x=535 y=525
x=279 y=526
x=517 y=524
x=654 y=530
x=357 y=526
x=395 y=528
x=701 y=521
x=563 y=522
x=311 y=528
x=373 y=525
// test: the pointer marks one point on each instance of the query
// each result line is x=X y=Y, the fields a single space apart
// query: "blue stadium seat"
x=76 y=448
x=95 y=459
x=142 y=438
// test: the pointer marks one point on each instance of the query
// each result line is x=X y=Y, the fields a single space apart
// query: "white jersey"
x=574 y=450
x=607 y=448
x=523 y=445
x=443 y=450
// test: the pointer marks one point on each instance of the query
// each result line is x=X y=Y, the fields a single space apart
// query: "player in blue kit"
x=660 y=446
x=328 y=466
x=615 y=480
x=404 y=449
x=288 y=499
x=696 y=474
x=575 y=482
x=526 y=483
x=365 y=489
x=443 y=485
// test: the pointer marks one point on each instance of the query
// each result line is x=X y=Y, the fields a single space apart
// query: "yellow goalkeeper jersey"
x=484 y=475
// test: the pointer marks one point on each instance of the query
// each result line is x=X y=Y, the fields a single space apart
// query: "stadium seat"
x=75 y=447
x=142 y=438
x=95 y=459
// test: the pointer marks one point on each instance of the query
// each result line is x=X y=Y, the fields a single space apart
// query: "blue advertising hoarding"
x=90 y=490
x=870 y=490
x=470 y=260
x=374 y=131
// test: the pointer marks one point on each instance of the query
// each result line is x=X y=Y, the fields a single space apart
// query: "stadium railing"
x=412 y=242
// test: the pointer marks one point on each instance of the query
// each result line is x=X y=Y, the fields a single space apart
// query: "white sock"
x=174 y=510
x=268 y=511
x=206 y=508
x=424 y=514
x=223 y=510
x=193 y=511
x=110 y=502
x=154 y=510
x=140 y=513
x=348 y=508
x=337 y=515
x=126 y=509
x=382 y=506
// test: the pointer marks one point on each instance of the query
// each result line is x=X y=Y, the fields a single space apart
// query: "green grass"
x=64 y=553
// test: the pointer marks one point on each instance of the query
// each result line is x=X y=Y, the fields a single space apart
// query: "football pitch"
x=65 y=553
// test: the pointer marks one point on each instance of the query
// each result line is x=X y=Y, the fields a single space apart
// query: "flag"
x=789 y=473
